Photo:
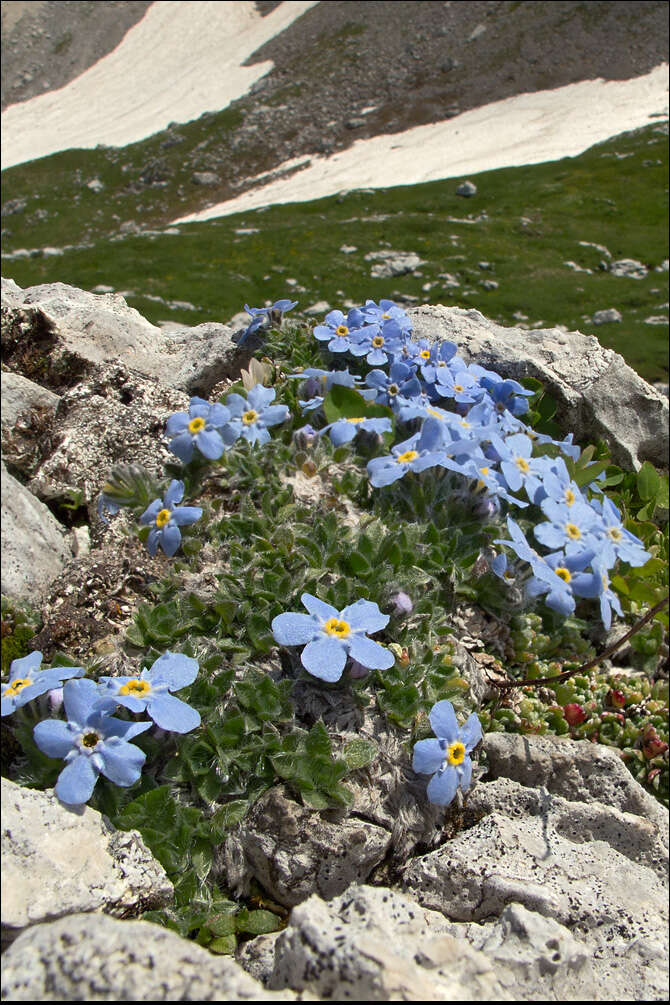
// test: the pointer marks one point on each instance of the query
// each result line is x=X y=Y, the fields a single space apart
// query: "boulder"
x=92 y=957
x=58 y=861
x=372 y=944
x=35 y=546
x=55 y=333
x=599 y=396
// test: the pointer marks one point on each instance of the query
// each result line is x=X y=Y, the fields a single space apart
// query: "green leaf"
x=648 y=482
x=229 y=815
x=224 y=946
x=257 y=922
x=359 y=753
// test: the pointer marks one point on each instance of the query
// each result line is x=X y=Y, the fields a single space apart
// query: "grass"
x=526 y=222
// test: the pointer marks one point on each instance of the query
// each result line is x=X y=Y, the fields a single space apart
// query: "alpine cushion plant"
x=165 y=518
x=150 y=692
x=27 y=681
x=91 y=741
x=447 y=758
x=331 y=637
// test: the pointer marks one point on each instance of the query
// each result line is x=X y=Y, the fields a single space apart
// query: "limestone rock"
x=77 y=330
x=34 y=545
x=393 y=263
x=574 y=769
x=57 y=861
x=294 y=852
x=606 y=317
x=628 y=267
x=20 y=396
x=92 y=957
x=598 y=395
x=372 y=944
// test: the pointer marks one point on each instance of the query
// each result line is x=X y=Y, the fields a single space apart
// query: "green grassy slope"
x=525 y=222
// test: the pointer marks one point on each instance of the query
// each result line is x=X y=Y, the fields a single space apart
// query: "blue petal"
x=184 y=516
x=170 y=539
x=182 y=446
x=79 y=697
x=173 y=714
x=25 y=667
x=465 y=775
x=54 y=737
x=294 y=629
x=319 y=608
x=365 y=616
x=173 y=669
x=443 y=720
x=324 y=658
x=122 y=763
x=176 y=424
x=151 y=512
x=428 y=756
x=471 y=733
x=76 y=781
x=259 y=397
x=174 y=494
x=210 y=444
x=153 y=540
x=370 y=654
x=442 y=786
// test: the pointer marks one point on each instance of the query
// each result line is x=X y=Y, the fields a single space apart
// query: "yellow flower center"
x=570 y=497
x=334 y=626
x=425 y=354
x=385 y=317
x=135 y=688
x=484 y=471
x=341 y=330
x=456 y=753
x=393 y=388
x=163 y=517
x=378 y=341
x=614 y=533
x=522 y=464
x=249 y=417
x=16 y=686
x=196 y=426
x=458 y=387
x=563 y=574
x=90 y=740
x=361 y=419
x=573 y=531
x=408 y=456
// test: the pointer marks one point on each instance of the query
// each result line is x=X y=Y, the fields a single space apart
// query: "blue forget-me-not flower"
x=447 y=758
x=150 y=692
x=27 y=681
x=330 y=636
x=165 y=518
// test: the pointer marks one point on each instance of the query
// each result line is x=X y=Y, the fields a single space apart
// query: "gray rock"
x=95 y=185
x=535 y=958
x=657 y=319
x=467 y=189
x=35 y=549
x=598 y=395
x=489 y=284
x=58 y=861
x=372 y=944
x=606 y=317
x=574 y=769
x=294 y=852
x=630 y=268
x=92 y=957
x=20 y=396
x=393 y=263
x=85 y=329
x=205 y=178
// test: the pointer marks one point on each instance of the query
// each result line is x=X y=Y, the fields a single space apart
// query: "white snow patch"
x=526 y=129
x=180 y=60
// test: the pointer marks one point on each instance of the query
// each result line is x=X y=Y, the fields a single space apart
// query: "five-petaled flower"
x=91 y=741
x=447 y=758
x=250 y=416
x=150 y=692
x=165 y=518
x=199 y=428
x=27 y=681
x=331 y=636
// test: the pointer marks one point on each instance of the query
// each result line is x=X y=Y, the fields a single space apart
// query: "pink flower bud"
x=402 y=604
x=55 y=699
x=615 y=698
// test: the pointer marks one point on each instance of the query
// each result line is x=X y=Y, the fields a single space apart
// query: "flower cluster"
x=470 y=424
x=91 y=740
x=264 y=317
x=213 y=428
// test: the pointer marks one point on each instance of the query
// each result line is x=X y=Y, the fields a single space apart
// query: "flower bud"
x=402 y=604
x=574 y=714
x=652 y=744
x=55 y=699
x=304 y=437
